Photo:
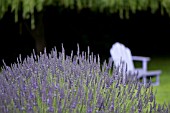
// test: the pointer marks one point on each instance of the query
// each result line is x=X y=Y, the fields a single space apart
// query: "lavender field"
x=77 y=83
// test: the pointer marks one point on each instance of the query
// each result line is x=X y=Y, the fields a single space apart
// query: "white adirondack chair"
x=121 y=53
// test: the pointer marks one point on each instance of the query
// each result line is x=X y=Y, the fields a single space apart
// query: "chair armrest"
x=143 y=59
x=140 y=58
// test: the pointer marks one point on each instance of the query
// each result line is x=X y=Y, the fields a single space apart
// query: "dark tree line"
x=27 y=25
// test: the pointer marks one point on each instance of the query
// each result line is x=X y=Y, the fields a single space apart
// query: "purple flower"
x=56 y=82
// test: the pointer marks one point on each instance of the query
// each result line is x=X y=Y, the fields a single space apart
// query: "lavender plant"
x=77 y=83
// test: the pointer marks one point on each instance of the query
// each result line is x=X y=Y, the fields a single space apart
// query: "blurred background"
x=145 y=33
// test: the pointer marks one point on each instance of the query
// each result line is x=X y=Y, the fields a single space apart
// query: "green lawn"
x=163 y=90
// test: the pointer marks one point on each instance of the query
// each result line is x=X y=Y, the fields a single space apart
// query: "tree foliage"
x=123 y=7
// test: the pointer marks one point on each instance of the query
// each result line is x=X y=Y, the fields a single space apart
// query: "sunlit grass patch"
x=163 y=90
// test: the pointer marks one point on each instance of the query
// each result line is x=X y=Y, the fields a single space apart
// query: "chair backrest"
x=121 y=53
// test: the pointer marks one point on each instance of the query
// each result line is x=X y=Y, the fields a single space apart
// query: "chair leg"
x=157 y=80
x=156 y=83
x=144 y=80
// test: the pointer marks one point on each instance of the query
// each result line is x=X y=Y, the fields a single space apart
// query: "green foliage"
x=123 y=7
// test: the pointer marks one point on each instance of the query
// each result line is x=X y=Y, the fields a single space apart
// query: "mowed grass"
x=163 y=90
